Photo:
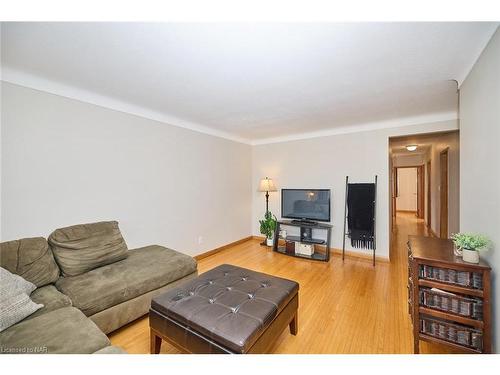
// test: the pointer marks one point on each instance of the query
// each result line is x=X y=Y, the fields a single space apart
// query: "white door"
x=407 y=189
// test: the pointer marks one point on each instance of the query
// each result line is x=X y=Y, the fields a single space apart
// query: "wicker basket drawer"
x=452 y=332
x=451 y=276
x=454 y=303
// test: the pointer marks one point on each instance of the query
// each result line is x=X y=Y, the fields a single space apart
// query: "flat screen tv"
x=305 y=204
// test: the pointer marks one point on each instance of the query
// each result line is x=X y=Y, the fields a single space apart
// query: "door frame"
x=443 y=192
x=420 y=189
x=429 y=194
x=394 y=191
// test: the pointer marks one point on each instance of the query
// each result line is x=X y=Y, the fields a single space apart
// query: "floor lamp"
x=266 y=185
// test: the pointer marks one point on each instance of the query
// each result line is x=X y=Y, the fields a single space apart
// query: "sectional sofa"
x=89 y=283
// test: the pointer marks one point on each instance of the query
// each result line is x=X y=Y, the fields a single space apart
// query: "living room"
x=174 y=187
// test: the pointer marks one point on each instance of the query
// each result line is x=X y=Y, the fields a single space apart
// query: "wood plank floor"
x=348 y=307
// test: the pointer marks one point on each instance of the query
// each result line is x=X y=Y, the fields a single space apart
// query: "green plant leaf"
x=268 y=225
x=470 y=241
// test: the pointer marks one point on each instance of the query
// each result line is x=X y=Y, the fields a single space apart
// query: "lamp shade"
x=266 y=184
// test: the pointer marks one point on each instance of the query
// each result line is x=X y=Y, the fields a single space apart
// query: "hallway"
x=425 y=179
x=405 y=224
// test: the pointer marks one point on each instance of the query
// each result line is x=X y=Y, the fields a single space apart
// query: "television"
x=305 y=204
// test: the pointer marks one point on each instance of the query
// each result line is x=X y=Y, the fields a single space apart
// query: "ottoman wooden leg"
x=294 y=325
x=155 y=342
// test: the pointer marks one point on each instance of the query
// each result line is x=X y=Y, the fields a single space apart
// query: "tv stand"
x=286 y=245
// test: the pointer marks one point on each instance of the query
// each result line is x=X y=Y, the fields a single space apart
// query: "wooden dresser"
x=448 y=299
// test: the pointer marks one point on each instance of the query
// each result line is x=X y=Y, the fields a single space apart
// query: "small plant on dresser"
x=468 y=245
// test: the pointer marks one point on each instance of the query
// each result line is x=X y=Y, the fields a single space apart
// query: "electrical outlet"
x=200 y=240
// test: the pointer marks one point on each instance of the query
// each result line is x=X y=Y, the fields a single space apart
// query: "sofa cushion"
x=145 y=269
x=64 y=330
x=12 y=285
x=15 y=308
x=30 y=258
x=50 y=298
x=119 y=315
x=81 y=248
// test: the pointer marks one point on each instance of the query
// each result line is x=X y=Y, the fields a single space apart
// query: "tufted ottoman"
x=225 y=310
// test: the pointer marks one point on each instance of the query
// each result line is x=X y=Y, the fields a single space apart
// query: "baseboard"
x=407 y=211
x=348 y=253
x=355 y=254
x=259 y=238
x=219 y=249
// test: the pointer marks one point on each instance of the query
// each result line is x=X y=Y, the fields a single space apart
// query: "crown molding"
x=20 y=78
x=395 y=123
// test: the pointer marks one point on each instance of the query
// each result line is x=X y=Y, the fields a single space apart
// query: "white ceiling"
x=250 y=81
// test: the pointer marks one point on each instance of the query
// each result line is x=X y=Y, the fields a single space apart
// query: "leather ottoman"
x=225 y=310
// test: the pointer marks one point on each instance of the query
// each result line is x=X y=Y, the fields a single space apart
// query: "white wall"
x=407 y=189
x=66 y=162
x=324 y=162
x=1 y=153
x=480 y=160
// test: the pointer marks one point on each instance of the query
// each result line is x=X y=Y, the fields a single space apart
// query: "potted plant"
x=268 y=226
x=469 y=244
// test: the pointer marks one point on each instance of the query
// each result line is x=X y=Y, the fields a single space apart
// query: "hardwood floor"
x=348 y=307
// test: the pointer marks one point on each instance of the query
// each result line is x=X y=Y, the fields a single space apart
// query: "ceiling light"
x=411 y=147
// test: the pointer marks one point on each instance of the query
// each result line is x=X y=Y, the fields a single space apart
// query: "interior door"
x=406 y=189
x=443 y=194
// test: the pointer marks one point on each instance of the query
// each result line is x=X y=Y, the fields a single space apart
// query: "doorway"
x=437 y=211
x=409 y=190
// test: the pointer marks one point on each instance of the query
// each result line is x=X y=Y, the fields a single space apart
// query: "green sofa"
x=90 y=284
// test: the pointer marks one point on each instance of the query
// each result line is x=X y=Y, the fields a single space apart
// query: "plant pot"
x=269 y=241
x=470 y=256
